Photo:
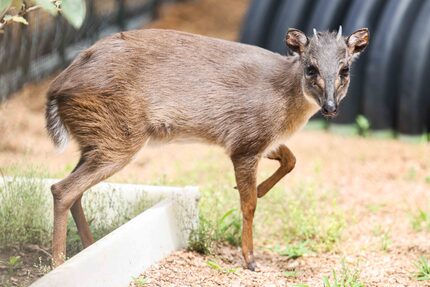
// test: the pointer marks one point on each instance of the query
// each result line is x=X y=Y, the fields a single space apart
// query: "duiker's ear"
x=358 y=41
x=296 y=40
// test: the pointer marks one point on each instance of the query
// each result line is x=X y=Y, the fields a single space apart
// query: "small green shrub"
x=348 y=278
x=421 y=220
x=230 y=228
x=312 y=217
x=423 y=269
x=202 y=239
x=293 y=251
x=363 y=125
x=23 y=213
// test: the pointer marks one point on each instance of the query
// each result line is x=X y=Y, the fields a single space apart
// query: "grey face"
x=326 y=59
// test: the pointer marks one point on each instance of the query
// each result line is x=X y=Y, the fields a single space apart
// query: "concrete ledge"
x=126 y=252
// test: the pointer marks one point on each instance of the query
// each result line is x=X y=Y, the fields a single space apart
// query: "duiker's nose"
x=329 y=107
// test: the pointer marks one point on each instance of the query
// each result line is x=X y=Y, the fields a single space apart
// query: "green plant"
x=15 y=10
x=363 y=125
x=23 y=212
x=311 y=217
x=421 y=220
x=386 y=241
x=202 y=239
x=13 y=263
x=230 y=227
x=291 y=274
x=293 y=251
x=347 y=278
x=214 y=265
x=423 y=266
x=140 y=281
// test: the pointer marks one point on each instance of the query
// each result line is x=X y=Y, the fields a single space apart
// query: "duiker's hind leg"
x=67 y=195
x=287 y=160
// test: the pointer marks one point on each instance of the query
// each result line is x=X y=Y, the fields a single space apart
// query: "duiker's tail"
x=54 y=124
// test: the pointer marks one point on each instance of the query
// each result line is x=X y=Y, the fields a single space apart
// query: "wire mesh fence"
x=29 y=53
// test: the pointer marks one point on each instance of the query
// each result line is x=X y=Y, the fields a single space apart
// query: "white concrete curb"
x=127 y=251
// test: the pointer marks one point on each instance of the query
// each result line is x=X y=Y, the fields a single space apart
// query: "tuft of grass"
x=423 y=269
x=347 y=278
x=386 y=241
x=290 y=274
x=26 y=213
x=421 y=220
x=227 y=229
x=23 y=213
x=312 y=217
x=230 y=228
x=140 y=281
x=13 y=263
x=214 y=265
x=202 y=239
x=293 y=251
x=363 y=125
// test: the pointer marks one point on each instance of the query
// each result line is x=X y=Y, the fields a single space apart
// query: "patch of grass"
x=202 y=239
x=23 y=213
x=26 y=213
x=227 y=229
x=347 y=278
x=427 y=179
x=140 y=281
x=293 y=251
x=230 y=228
x=312 y=217
x=214 y=265
x=363 y=125
x=13 y=263
x=386 y=241
x=290 y=274
x=421 y=220
x=423 y=269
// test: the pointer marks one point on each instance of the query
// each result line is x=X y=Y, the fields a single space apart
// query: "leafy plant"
x=202 y=239
x=421 y=220
x=423 y=266
x=23 y=213
x=347 y=278
x=140 y=281
x=312 y=218
x=293 y=251
x=214 y=265
x=16 y=10
x=13 y=263
x=363 y=125
x=291 y=274
x=230 y=227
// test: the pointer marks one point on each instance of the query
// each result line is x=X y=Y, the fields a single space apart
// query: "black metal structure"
x=389 y=81
x=29 y=53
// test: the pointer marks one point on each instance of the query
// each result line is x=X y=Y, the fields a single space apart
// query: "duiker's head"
x=326 y=59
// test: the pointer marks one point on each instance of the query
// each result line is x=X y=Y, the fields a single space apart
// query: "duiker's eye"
x=311 y=71
x=344 y=72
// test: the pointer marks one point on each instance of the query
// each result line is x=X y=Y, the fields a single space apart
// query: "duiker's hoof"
x=251 y=265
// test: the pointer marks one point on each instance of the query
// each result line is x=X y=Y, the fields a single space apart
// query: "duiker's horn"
x=339 y=33
x=316 y=34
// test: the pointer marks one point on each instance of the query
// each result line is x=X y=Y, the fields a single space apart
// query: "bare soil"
x=380 y=184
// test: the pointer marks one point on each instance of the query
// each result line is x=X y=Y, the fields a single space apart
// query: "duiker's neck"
x=287 y=82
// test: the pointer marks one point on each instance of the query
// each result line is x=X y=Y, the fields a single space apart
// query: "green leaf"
x=74 y=11
x=4 y=5
x=48 y=6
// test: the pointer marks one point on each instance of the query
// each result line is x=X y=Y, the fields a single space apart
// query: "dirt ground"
x=380 y=184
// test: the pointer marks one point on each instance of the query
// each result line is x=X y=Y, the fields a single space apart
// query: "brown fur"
x=158 y=86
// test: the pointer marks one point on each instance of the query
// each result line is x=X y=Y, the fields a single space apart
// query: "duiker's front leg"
x=287 y=160
x=245 y=170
